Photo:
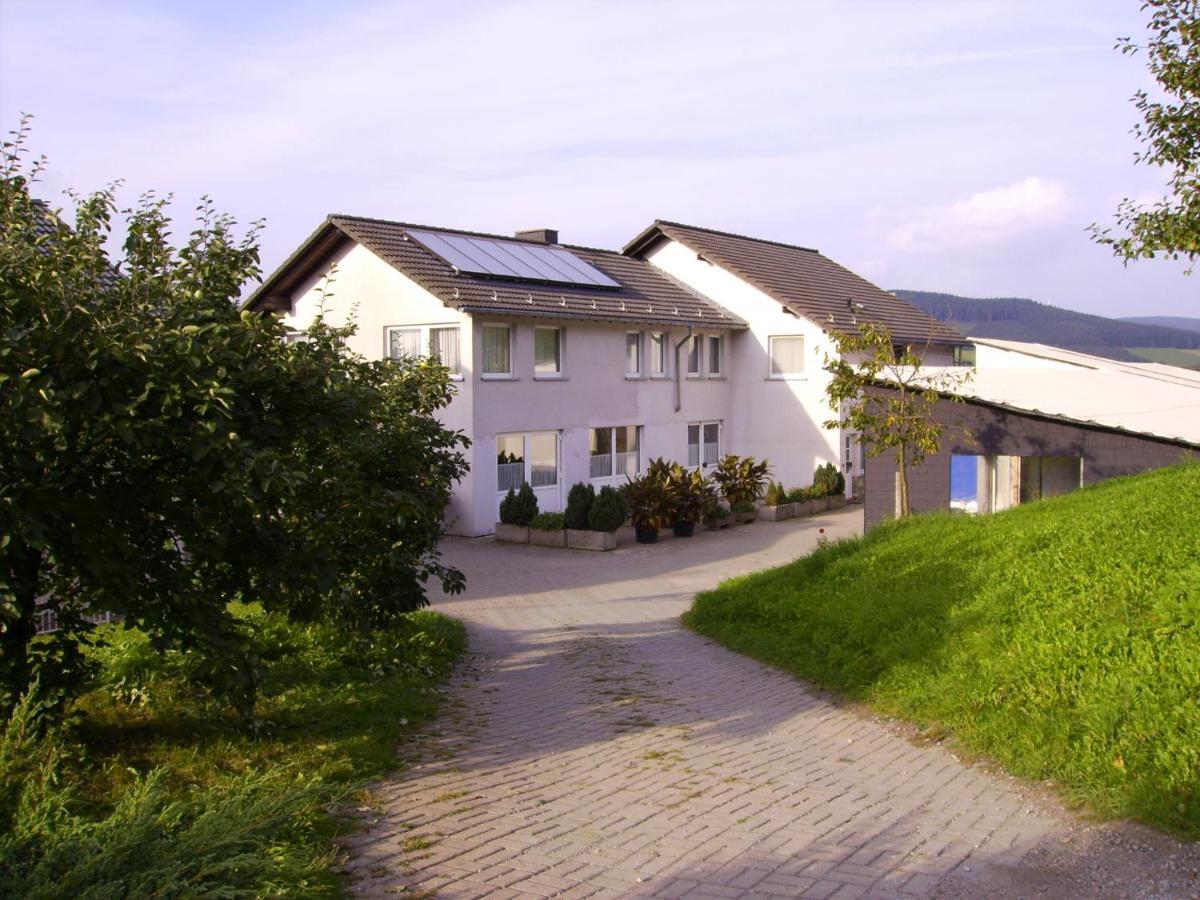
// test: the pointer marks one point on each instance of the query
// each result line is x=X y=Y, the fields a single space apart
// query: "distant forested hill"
x=1017 y=319
x=1183 y=322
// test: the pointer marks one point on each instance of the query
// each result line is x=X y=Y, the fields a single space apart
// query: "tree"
x=1170 y=132
x=881 y=390
x=162 y=453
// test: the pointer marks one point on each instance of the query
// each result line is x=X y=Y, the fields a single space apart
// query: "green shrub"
x=579 y=503
x=776 y=495
x=828 y=480
x=547 y=521
x=519 y=507
x=609 y=510
x=739 y=479
x=798 y=495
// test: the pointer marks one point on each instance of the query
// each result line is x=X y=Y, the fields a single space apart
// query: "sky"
x=954 y=146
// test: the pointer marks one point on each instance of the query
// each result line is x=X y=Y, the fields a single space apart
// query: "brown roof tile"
x=646 y=296
x=802 y=280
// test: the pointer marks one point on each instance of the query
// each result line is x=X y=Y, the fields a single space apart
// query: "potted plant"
x=517 y=510
x=741 y=481
x=716 y=514
x=649 y=505
x=546 y=530
x=832 y=485
x=606 y=514
x=688 y=495
x=776 y=504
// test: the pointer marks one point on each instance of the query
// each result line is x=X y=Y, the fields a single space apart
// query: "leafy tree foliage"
x=1170 y=131
x=162 y=453
x=880 y=390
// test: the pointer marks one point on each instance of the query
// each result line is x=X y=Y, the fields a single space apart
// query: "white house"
x=576 y=364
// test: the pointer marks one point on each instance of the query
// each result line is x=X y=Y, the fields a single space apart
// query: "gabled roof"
x=646 y=295
x=803 y=280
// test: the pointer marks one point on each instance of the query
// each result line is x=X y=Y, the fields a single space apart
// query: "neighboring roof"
x=646 y=295
x=802 y=280
x=1155 y=401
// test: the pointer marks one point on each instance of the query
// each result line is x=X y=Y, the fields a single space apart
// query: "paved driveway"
x=592 y=746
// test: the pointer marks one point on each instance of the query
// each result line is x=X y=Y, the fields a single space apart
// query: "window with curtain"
x=547 y=351
x=615 y=451
x=496 y=356
x=716 y=358
x=787 y=355
x=704 y=443
x=443 y=346
x=404 y=342
x=658 y=353
x=633 y=353
x=695 y=351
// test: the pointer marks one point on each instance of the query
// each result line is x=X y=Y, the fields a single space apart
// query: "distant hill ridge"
x=1187 y=324
x=1020 y=319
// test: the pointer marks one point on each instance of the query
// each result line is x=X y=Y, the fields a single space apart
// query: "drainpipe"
x=678 y=387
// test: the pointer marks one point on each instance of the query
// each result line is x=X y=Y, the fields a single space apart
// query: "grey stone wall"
x=983 y=430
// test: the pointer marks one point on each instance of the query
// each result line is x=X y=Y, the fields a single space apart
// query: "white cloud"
x=988 y=217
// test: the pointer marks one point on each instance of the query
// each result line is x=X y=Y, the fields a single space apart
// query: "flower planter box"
x=512 y=534
x=579 y=539
x=808 y=507
x=778 y=513
x=540 y=538
x=745 y=518
x=837 y=501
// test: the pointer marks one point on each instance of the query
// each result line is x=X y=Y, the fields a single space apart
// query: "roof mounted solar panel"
x=512 y=260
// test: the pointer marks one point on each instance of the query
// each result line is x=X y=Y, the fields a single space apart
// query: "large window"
x=704 y=443
x=547 y=352
x=633 y=353
x=658 y=354
x=614 y=451
x=787 y=355
x=497 y=351
x=526 y=457
x=439 y=342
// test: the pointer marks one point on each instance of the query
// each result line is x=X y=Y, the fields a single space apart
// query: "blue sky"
x=953 y=146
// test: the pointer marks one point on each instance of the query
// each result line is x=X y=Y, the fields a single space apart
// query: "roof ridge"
x=467 y=231
x=734 y=234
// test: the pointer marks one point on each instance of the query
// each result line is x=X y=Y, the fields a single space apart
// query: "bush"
x=609 y=511
x=776 y=495
x=829 y=480
x=740 y=479
x=579 y=504
x=547 y=521
x=799 y=495
x=519 y=507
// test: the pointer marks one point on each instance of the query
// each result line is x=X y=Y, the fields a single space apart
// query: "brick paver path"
x=592 y=746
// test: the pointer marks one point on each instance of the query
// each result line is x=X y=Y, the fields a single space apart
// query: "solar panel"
x=516 y=260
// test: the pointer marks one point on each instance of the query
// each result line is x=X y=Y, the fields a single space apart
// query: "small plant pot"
x=578 y=539
x=540 y=538
x=512 y=534
x=646 y=535
x=684 y=529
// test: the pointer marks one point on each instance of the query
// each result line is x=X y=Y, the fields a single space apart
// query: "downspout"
x=678 y=383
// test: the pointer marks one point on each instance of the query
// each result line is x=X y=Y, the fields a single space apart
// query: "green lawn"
x=1061 y=638
x=159 y=792
x=1172 y=356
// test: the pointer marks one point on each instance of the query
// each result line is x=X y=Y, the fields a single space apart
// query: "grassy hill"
x=1061 y=638
x=1018 y=319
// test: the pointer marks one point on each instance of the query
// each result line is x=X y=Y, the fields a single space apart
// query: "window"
x=633 y=353
x=704 y=443
x=439 y=342
x=787 y=355
x=658 y=354
x=614 y=451
x=547 y=352
x=964 y=355
x=496 y=351
x=715 y=356
x=526 y=457
x=695 y=351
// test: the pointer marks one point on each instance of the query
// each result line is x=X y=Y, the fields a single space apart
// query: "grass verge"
x=159 y=792
x=1060 y=638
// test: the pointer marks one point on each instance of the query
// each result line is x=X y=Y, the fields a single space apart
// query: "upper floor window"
x=658 y=353
x=716 y=354
x=787 y=355
x=497 y=350
x=633 y=353
x=547 y=352
x=439 y=342
x=964 y=354
x=695 y=353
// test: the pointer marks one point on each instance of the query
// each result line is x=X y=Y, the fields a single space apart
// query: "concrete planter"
x=512 y=534
x=808 y=507
x=540 y=538
x=745 y=518
x=723 y=522
x=837 y=501
x=578 y=539
x=778 y=513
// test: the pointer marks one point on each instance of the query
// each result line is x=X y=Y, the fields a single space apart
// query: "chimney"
x=538 y=235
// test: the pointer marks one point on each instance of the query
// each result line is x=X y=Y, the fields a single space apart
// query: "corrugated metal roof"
x=1154 y=400
x=803 y=280
x=646 y=295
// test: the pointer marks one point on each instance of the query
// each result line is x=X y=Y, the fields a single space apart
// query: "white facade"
x=553 y=420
